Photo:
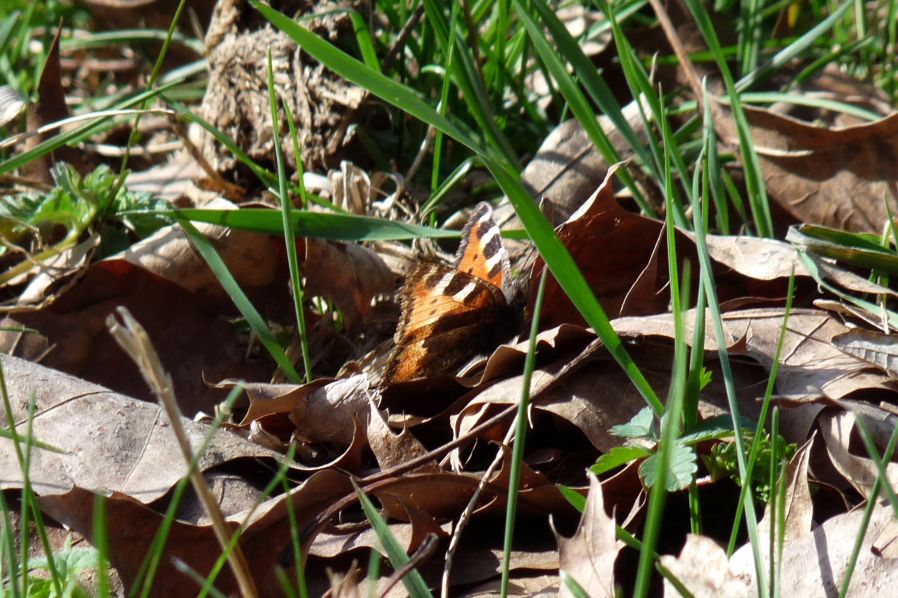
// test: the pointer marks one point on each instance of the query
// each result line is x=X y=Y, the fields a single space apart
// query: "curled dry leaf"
x=623 y=261
x=798 y=515
x=818 y=560
x=321 y=411
x=590 y=554
x=445 y=494
x=825 y=175
x=810 y=369
x=252 y=259
x=99 y=430
x=49 y=108
x=876 y=348
x=836 y=431
x=702 y=568
x=567 y=167
x=192 y=339
x=392 y=449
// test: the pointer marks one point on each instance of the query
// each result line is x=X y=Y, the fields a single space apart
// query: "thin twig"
x=469 y=509
x=135 y=341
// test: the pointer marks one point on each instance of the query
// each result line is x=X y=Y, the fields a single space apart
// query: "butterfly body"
x=449 y=314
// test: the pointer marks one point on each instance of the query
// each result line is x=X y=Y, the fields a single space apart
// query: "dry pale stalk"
x=132 y=337
x=472 y=505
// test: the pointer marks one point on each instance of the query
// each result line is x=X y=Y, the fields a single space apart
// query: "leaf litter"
x=421 y=448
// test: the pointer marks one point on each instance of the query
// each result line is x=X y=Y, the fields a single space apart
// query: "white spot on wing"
x=463 y=294
x=443 y=284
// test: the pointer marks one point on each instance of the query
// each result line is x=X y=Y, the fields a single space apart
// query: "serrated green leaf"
x=682 y=468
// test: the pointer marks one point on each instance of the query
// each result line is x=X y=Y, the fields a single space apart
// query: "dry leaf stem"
x=132 y=337
x=469 y=509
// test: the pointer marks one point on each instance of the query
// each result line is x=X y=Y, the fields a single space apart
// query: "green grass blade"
x=414 y=583
x=317 y=225
x=77 y=134
x=364 y=40
x=100 y=542
x=577 y=101
x=287 y=225
x=754 y=180
x=520 y=437
x=794 y=49
x=241 y=301
x=710 y=290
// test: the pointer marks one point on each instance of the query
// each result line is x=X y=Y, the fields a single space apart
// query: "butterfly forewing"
x=481 y=252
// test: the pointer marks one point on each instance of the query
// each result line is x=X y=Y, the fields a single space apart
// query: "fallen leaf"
x=702 y=568
x=817 y=562
x=111 y=442
x=392 y=450
x=858 y=162
x=348 y=274
x=590 y=554
x=49 y=108
x=876 y=348
x=131 y=528
x=836 y=432
x=624 y=262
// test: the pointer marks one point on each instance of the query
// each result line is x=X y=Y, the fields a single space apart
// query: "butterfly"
x=450 y=314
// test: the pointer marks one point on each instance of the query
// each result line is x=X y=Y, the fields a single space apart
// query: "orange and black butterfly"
x=450 y=314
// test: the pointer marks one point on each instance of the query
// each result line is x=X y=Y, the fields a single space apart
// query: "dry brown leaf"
x=612 y=247
x=799 y=512
x=112 y=442
x=321 y=411
x=876 y=348
x=532 y=586
x=45 y=277
x=348 y=274
x=193 y=339
x=590 y=554
x=816 y=562
x=702 y=568
x=391 y=449
x=624 y=262
x=252 y=259
x=836 y=430
x=810 y=367
x=567 y=168
x=445 y=494
x=50 y=107
x=132 y=526
x=858 y=164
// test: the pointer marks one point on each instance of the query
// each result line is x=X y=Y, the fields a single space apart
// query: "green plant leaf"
x=682 y=468
x=617 y=456
x=577 y=500
x=640 y=425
